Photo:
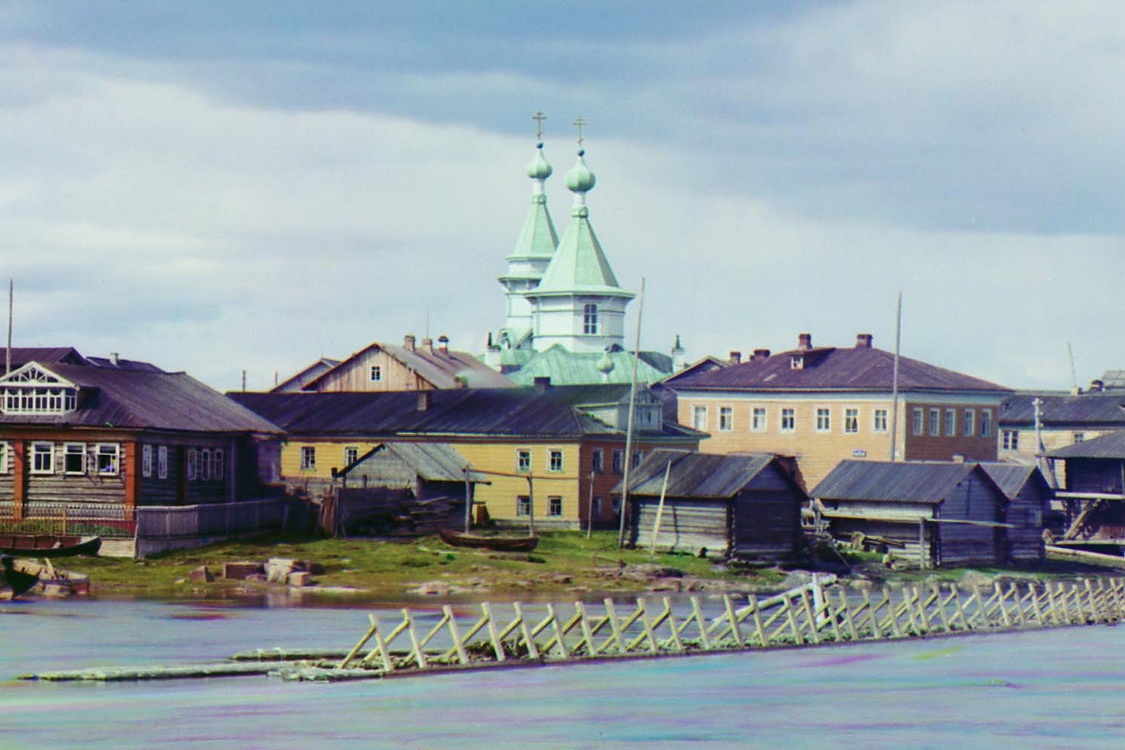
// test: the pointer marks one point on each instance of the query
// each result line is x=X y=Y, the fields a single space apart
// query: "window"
x=950 y=422
x=1079 y=437
x=205 y=464
x=74 y=458
x=969 y=427
x=919 y=417
x=42 y=458
x=554 y=506
x=146 y=461
x=1011 y=440
x=935 y=421
x=637 y=456
x=597 y=511
x=788 y=419
x=108 y=458
x=523 y=460
x=191 y=463
x=308 y=458
x=879 y=420
x=376 y=373
x=823 y=419
x=162 y=462
x=4 y=461
x=351 y=455
x=797 y=363
x=758 y=419
x=555 y=461
x=523 y=505
x=699 y=417
x=31 y=390
x=218 y=470
x=596 y=461
x=726 y=419
x=590 y=320
x=618 y=461
x=985 y=422
x=851 y=421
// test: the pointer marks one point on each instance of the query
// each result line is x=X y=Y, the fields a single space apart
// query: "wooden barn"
x=746 y=506
x=1029 y=501
x=1094 y=495
x=940 y=514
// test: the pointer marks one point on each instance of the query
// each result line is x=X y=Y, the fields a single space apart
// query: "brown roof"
x=443 y=368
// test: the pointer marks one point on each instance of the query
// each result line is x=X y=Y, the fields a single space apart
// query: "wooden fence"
x=109 y=520
x=511 y=635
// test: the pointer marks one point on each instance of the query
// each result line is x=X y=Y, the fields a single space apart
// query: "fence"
x=505 y=636
x=109 y=520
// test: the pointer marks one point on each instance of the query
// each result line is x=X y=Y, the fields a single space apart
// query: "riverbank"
x=564 y=564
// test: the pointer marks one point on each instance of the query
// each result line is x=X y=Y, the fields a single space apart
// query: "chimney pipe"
x=735 y=357
x=804 y=341
x=113 y=358
x=863 y=340
x=428 y=344
x=760 y=354
x=443 y=344
x=408 y=341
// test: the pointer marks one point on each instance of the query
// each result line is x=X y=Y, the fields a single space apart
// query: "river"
x=1059 y=688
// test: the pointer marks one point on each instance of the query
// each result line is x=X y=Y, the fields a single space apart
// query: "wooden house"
x=746 y=506
x=552 y=453
x=1094 y=494
x=97 y=438
x=938 y=514
x=824 y=404
x=1029 y=503
x=389 y=367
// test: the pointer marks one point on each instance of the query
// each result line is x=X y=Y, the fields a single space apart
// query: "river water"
x=1060 y=688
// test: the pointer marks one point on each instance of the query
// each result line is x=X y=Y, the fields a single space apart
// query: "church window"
x=590 y=319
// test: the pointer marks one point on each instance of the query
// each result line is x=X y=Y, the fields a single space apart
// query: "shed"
x=940 y=513
x=742 y=505
x=1029 y=500
x=1095 y=487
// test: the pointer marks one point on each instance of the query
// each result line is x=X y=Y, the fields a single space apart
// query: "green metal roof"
x=564 y=367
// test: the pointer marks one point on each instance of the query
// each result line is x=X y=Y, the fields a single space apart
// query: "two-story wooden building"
x=570 y=440
x=825 y=404
x=97 y=438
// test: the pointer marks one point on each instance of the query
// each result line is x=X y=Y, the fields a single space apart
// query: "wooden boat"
x=53 y=582
x=48 y=545
x=480 y=541
x=14 y=582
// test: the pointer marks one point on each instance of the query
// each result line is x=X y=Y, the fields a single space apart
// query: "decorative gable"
x=33 y=389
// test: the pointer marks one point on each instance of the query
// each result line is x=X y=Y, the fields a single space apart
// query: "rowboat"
x=51 y=581
x=480 y=541
x=48 y=545
x=14 y=582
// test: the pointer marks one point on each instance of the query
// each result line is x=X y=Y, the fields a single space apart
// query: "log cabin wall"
x=767 y=516
x=1025 y=541
x=972 y=499
x=687 y=524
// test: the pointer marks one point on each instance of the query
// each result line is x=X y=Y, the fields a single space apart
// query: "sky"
x=224 y=187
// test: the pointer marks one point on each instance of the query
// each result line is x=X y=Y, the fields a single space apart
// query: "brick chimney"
x=863 y=340
x=408 y=342
x=735 y=357
x=443 y=344
x=425 y=400
x=760 y=354
x=428 y=344
x=804 y=341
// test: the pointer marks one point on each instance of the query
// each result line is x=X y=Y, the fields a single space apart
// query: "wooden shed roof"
x=886 y=481
x=698 y=475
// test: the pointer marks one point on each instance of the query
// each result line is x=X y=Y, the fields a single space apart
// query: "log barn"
x=1094 y=495
x=739 y=505
x=1029 y=500
x=940 y=514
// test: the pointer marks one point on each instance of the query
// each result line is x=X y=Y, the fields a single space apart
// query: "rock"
x=201 y=574
x=278 y=569
x=650 y=570
x=432 y=588
x=241 y=570
x=974 y=579
x=300 y=578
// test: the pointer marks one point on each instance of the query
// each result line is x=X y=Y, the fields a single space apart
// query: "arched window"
x=590 y=319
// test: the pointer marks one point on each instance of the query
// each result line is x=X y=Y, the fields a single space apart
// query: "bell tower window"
x=590 y=319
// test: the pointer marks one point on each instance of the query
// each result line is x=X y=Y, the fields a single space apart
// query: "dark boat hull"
x=14 y=582
x=496 y=543
x=48 y=545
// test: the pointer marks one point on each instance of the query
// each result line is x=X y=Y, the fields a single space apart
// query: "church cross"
x=539 y=117
x=580 y=123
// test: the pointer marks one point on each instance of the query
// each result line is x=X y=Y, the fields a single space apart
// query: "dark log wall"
x=963 y=544
x=767 y=517
x=1094 y=475
x=687 y=525
x=1025 y=512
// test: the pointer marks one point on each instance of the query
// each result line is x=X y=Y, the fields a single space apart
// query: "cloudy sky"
x=219 y=187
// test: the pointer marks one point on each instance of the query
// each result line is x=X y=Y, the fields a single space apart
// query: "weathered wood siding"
x=384 y=469
x=356 y=375
x=1025 y=512
x=963 y=544
x=686 y=525
x=767 y=517
x=905 y=532
x=1095 y=475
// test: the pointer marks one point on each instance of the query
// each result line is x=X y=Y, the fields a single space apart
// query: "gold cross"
x=580 y=122
x=539 y=117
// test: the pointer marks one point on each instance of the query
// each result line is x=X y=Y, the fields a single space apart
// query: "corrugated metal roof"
x=921 y=482
x=699 y=475
x=432 y=462
x=141 y=398
x=1106 y=446
x=1012 y=477
x=532 y=412
x=830 y=368
x=1064 y=410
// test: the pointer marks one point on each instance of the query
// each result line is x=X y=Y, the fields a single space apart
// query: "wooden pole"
x=629 y=426
x=894 y=379
x=468 y=500
x=660 y=508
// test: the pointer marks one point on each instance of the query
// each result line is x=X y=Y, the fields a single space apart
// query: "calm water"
x=1061 y=688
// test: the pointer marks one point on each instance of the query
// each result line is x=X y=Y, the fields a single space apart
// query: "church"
x=565 y=308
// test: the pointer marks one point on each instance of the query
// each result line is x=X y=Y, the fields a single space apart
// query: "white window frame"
x=590 y=319
x=308 y=458
x=851 y=421
x=1010 y=440
x=218 y=464
x=950 y=422
x=351 y=455
x=523 y=506
x=758 y=419
x=879 y=419
x=726 y=418
x=597 y=461
x=74 y=449
x=205 y=465
x=969 y=426
x=36 y=452
x=934 y=421
x=112 y=451
x=788 y=419
x=191 y=465
x=823 y=419
x=523 y=460
x=986 y=422
x=555 y=461
x=162 y=462
x=5 y=462
x=699 y=416
x=376 y=373
x=918 y=421
x=555 y=506
x=146 y=461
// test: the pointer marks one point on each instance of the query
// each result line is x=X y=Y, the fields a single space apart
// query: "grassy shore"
x=564 y=564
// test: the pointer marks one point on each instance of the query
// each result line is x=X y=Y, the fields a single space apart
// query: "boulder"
x=241 y=570
x=201 y=574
